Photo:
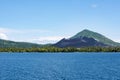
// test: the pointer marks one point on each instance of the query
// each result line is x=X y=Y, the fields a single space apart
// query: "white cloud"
x=45 y=40
x=29 y=35
x=94 y=5
x=50 y=38
x=3 y=36
x=116 y=40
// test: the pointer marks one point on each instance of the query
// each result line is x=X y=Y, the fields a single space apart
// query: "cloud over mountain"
x=3 y=36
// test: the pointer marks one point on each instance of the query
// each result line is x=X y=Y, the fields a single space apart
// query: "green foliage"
x=99 y=49
x=55 y=49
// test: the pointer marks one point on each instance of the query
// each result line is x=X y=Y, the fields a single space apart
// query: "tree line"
x=56 y=49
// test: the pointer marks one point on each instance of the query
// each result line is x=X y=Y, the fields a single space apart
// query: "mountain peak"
x=94 y=35
x=85 y=30
x=84 y=33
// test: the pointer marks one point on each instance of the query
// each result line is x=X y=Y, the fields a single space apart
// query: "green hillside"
x=7 y=43
x=96 y=36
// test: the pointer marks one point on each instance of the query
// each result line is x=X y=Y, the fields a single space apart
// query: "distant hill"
x=7 y=43
x=86 y=38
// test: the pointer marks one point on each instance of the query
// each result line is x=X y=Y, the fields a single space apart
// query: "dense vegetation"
x=55 y=49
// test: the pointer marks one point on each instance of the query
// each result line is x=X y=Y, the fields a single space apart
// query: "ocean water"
x=59 y=66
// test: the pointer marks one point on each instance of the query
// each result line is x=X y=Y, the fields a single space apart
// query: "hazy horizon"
x=49 y=21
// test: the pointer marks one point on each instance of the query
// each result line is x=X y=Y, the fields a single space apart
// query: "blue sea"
x=60 y=66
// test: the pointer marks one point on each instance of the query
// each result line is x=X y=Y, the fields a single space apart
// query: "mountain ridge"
x=96 y=36
x=79 y=42
x=8 y=43
x=87 y=35
x=85 y=38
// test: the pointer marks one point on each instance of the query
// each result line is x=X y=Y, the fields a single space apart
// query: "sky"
x=48 y=21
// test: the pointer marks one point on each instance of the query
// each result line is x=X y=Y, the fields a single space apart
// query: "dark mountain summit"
x=78 y=42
